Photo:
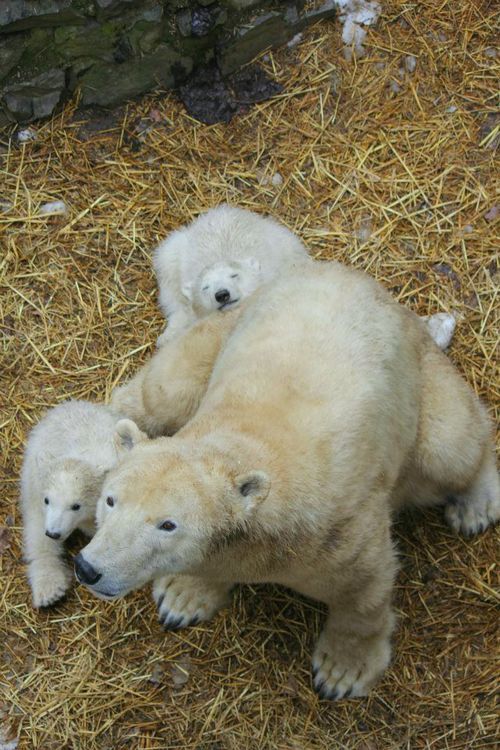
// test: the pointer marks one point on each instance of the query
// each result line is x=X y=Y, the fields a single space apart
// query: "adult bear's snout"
x=85 y=572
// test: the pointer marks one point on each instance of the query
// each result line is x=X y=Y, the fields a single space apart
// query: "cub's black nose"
x=52 y=535
x=85 y=572
x=222 y=296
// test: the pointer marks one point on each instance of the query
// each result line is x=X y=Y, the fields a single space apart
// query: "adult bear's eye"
x=167 y=526
x=46 y=500
x=76 y=506
x=234 y=275
x=110 y=501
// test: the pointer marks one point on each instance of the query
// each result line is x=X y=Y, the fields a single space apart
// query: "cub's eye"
x=46 y=500
x=76 y=506
x=205 y=289
x=167 y=526
x=234 y=275
x=110 y=501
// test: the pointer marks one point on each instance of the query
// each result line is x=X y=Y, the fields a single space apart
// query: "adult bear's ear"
x=252 y=263
x=127 y=434
x=252 y=488
x=187 y=291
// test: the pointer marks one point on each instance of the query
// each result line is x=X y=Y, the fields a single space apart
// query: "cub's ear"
x=253 y=488
x=127 y=434
x=187 y=291
x=252 y=263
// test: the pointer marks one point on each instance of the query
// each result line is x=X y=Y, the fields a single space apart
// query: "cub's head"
x=69 y=496
x=164 y=510
x=222 y=285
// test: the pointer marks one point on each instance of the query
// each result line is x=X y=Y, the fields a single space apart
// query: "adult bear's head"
x=162 y=510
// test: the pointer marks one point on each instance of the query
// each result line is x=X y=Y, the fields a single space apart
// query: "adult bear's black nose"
x=222 y=296
x=85 y=572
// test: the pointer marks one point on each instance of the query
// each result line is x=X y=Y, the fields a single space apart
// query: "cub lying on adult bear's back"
x=327 y=404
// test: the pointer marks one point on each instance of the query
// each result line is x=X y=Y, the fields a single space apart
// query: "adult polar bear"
x=328 y=405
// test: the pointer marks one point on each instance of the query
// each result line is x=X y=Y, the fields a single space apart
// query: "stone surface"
x=109 y=84
x=117 y=49
x=16 y=15
x=37 y=97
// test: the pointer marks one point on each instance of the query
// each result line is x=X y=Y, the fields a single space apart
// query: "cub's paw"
x=471 y=515
x=49 y=583
x=347 y=668
x=185 y=600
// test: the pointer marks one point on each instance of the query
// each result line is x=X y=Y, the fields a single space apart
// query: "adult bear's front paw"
x=348 y=667
x=186 y=600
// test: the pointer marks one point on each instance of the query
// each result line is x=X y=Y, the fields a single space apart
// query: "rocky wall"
x=112 y=50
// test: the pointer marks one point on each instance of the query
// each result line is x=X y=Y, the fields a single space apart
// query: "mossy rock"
x=117 y=49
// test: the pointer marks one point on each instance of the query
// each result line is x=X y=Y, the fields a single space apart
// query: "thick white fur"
x=229 y=248
x=217 y=240
x=66 y=458
x=328 y=407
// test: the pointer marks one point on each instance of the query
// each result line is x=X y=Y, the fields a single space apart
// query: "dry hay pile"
x=387 y=169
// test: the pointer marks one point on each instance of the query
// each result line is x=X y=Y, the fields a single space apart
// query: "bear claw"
x=172 y=623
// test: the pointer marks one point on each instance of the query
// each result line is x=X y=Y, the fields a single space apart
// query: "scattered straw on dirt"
x=387 y=169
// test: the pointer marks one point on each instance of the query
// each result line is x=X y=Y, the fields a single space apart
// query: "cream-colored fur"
x=328 y=406
x=197 y=261
x=232 y=250
x=66 y=457
x=166 y=392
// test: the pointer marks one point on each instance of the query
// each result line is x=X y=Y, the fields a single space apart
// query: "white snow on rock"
x=295 y=40
x=355 y=15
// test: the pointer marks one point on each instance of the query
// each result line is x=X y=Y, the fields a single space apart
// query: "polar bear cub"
x=222 y=257
x=67 y=456
x=218 y=259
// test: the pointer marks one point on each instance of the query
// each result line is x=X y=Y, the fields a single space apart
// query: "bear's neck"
x=237 y=443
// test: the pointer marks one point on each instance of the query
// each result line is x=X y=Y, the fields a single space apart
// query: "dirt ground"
x=386 y=167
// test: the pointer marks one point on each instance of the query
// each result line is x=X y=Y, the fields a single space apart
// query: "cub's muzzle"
x=53 y=534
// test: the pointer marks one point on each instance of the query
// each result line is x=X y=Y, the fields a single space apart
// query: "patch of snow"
x=53 y=207
x=492 y=214
x=410 y=63
x=295 y=40
x=28 y=134
x=355 y=15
